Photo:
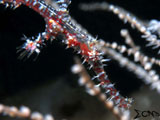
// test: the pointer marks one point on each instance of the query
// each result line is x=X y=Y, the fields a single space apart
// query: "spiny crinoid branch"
x=150 y=30
x=146 y=61
x=60 y=25
x=23 y=112
x=144 y=72
x=148 y=74
x=134 y=50
x=93 y=90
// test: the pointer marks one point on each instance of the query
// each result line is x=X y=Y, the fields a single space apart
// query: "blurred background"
x=47 y=84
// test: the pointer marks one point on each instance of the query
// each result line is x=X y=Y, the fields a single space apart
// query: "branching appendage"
x=60 y=25
x=134 y=50
x=23 y=112
x=94 y=90
x=150 y=30
x=148 y=75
